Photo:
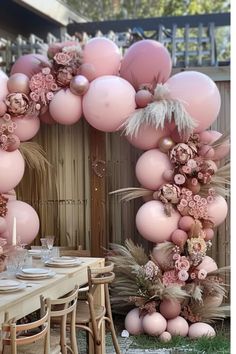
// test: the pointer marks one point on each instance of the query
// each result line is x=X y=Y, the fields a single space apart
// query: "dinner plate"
x=12 y=289
x=50 y=263
x=64 y=259
x=8 y=283
x=34 y=271
x=22 y=275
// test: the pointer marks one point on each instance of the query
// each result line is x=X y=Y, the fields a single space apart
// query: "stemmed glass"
x=47 y=246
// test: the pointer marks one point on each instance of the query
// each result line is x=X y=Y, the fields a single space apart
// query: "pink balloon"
x=65 y=107
x=170 y=308
x=47 y=118
x=147 y=137
x=10 y=195
x=27 y=127
x=153 y=223
x=178 y=326
x=154 y=324
x=209 y=234
x=150 y=168
x=30 y=64
x=186 y=222
x=211 y=136
x=108 y=102
x=3 y=85
x=12 y=167
x=144 y=62
x=104 y=55
x=199 y=95
x=217 y=210
x=133 y=322
x=27 y=221
x=179 y=237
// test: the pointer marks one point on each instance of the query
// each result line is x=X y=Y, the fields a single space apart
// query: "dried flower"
x=62 y=58
x=17 y=103
x=202 y=273
x=182 y=263
x=183 y=275
x=3 y=205
x=64 y=76
x=181 y=153
x=169 y=193
x=151 y=270
x=179 y=179
x=170 y=277
x=196 y=245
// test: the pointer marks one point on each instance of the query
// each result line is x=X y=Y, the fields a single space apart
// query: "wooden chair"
x=60 y=309
x=29 y=338
x=90 y=316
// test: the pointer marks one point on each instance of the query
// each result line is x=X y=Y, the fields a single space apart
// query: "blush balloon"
x=3 y=85
x=65 y=107
x=170 y=308
x=145 y=62
x=186 y=222
x=88 y=71
x=147 y=137
x=143 y=98
x=109 y=101
x=12 y=167
x=208 y=264
x=217 y=210
x=133 y=322
x=153 y=223
x=104 y=55
x=79 y=85
x=165 y=337
x=154 y=324
x=211 y=136
x=199 y=96
x=201 y=329
x=26 y=127
x=18 y=83
x=179 y=237
x=30 y=64
x=47 y=118
x=27 y=221
x=178 y=326
x=150 y=168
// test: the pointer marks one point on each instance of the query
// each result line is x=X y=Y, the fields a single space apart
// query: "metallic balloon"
x=79 y=85
x=165 y=144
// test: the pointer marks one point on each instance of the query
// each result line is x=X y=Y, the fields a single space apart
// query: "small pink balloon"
x=104 y=55
x=79 y=85
x=27 y=221
x=211 y=136
x=145 y=62
x=30 y=64
x=3 y=108
x=168 y=175
x=179 y=237
x=208 y=264
x=178 y=326
x=147 y=137
x=217 y=210
x=109 y=101
x=153 y=223
x=12 y=167
x=3 y=85
x=133 y=322
x=165 y=337
x=170 y=308
x=26 y=127
x=3 y=225
x=18 y=83
x=143 y=98
x=154 y=324
x=209 y=234
x=47 y=118
x=186 y=222
x=65 y=107
x=88 y=70
x=199 y=96
x=14 y=142
x=150 y=168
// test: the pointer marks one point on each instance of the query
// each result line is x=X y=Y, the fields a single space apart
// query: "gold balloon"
x=165 y=144
x=18 y=83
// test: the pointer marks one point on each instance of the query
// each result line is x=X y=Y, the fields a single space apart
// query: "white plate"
x=21 y=275
x=33 y=271
x=64 y=259
x=8 y=283
x=21 y=286
x=63 y=264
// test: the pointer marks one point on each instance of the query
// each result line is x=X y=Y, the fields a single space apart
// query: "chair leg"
x=114 y=338
x=73 y=339
x=63 y=335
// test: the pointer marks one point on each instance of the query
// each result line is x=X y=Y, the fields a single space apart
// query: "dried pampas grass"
x=131 y=193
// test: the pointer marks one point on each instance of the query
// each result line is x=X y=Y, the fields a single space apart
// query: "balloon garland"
x=184 y=189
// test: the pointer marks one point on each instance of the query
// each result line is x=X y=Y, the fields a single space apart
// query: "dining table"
x=16 y=305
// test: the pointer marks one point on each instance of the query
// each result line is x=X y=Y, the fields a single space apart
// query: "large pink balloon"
x=150 y=168
x=217 y=210
x=27 y=221
x=199 y=95
x=65 y=107
x=30 y=64
x=3 y=85
x=104 y=55
x=145 y=62
x=153 y=223
x=108 y=102
x=12 y=167
x=147 y=137
x=27 y=127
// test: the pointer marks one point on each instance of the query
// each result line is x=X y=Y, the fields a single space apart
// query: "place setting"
x=63 y=261
x=10 y=286
x=35 y=273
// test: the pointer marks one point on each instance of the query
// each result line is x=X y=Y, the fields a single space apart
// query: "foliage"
x=122 y=9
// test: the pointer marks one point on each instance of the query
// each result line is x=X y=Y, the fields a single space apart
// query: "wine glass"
x=50 y=242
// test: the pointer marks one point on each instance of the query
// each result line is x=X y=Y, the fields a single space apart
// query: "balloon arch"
x=178 y=287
